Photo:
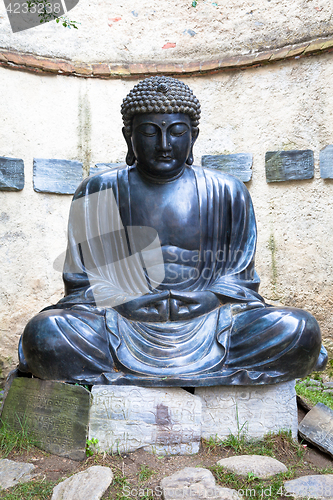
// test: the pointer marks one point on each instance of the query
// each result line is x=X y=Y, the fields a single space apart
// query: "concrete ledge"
x=38 y=64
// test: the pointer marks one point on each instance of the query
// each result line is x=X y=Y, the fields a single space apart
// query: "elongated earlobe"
x=189 y=160
x=130 y=157
x=195 y=133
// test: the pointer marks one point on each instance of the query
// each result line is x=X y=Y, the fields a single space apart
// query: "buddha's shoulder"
x=103 y=179
x=222 y=178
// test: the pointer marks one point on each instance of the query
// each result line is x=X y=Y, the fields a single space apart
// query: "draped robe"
x=244 y=341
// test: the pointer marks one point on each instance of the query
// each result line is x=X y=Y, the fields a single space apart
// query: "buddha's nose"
x=165 y=143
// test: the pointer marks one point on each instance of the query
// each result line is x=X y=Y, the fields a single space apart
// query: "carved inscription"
x=165 y=421
x=55 y=414
x=256 y=410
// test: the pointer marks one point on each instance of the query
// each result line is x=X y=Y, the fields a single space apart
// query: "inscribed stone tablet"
x=162 y=421
x=254 y=410
x=54 y=414
x=239 y=165
x=326 y=162
x=57 y=176
x=11 y=174
x=317 y=427
x=289 y=165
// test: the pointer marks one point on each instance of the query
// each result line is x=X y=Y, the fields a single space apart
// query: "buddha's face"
x=161 y=143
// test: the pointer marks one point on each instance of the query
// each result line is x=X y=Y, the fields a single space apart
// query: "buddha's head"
x=161 y=117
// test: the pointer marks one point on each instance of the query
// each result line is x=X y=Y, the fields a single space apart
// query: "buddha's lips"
x=164 y=158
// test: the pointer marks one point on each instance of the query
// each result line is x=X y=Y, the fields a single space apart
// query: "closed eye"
x=148 y=129
x=178 y=129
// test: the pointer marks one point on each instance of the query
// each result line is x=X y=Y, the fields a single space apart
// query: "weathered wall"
x=288 y=105
x=118 y=31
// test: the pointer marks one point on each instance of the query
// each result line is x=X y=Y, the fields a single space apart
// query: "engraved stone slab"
x=54 y=414
x=326 y=162
x=261 y=466
x=195 y=482
x=317 y=427
x=164 y=421
x=57 y=176
x=89 y=484
x=13 y=473
x=311 y=487
x=239 y=165
x=254 y=410
x=11 y=174
x=289 y=165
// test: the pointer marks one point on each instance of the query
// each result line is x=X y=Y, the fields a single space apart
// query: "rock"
x=162 y=421
x=57 y=176
x=239 y=165
x=311 y=487
x=261 y=466
x=193 y=483
x=90 y=484
x=54 y=414
x=11 y=174
x=326 y=162
x=317 y=427
x=12 y=473
x=289 y=165
x=253 y=410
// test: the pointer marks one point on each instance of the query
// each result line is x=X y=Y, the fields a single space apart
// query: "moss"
x=84 y=132
x=272 y=248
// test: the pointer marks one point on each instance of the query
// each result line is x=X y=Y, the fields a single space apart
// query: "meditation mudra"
x=160 y=284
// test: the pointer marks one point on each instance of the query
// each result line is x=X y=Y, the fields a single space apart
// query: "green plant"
x=45 y=12
x=145 y=473
x=33 y=490
x=91 y=447
x=303 y=389
x=15 y=437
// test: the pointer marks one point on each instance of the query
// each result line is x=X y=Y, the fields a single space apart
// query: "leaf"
x=194 y=3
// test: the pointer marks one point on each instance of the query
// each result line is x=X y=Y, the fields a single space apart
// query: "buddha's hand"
x=151 y=307
x=187 y=305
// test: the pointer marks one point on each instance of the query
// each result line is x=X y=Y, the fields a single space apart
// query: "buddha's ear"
x=130 y=157
x=195 y=133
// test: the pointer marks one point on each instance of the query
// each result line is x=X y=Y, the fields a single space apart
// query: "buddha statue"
x=160 y=281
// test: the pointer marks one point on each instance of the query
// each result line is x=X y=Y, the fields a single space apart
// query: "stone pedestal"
x=253 y=410
x=163 y=421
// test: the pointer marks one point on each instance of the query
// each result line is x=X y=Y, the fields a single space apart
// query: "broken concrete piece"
x=311 y=487
x=13 y=473
x=261 y=466
x=317 y=427
x=195 y=482
x=90 y=484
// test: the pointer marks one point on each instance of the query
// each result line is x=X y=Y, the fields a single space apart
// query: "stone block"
x=326 y=162
x=289 y=165
x=102 y=167
x=195 y=483
x=261 y=466
x=317 y=427
x=89 y=484
x=239 y=165
x=13 y=473
x=54 y=414
x=320 y=486
x=11 y=174
x=254 y=410
x=57 y=176
x=163 y=421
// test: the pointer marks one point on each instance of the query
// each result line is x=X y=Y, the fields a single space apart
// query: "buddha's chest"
x=172 y=209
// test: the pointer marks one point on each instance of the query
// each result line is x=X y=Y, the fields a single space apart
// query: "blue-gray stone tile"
x=11 y=174
x=101 y=167
x=239 y=165
x=289 y=165
x=326 y=162
x=57 y=176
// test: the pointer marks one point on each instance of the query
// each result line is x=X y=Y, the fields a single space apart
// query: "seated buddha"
x=160 y=280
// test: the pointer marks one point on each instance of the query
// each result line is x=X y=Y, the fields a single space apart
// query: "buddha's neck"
x=158 y=179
